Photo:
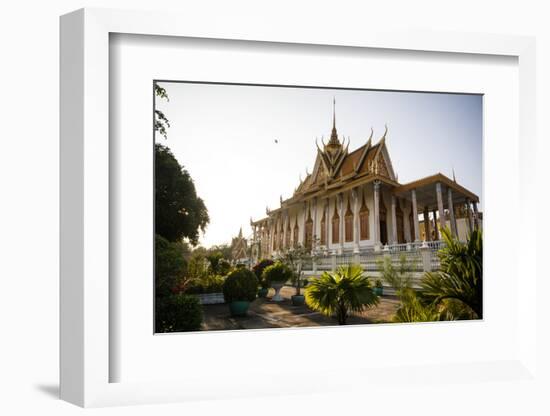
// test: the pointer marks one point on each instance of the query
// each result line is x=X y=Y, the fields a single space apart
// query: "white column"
x=476 y=216
x=341 y=224
x=440 y=205
x=355 y=196
x=271 y=236
x=452 y=218
x=314 y=228
x=304 y=219
x=436 y=230
x=376 y=196
x=285 y=227
x=427 y=228
x=470 y=217
x=415 y=216
x=393 y=220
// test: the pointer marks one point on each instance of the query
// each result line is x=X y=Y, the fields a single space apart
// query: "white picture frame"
x=85 y=166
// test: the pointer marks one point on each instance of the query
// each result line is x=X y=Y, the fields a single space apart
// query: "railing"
x=419 y=257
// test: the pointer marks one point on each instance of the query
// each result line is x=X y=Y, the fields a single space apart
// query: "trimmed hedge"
x=240 y=285
x=178 y=313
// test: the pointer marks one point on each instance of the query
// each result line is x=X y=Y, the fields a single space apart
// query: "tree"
x=161 y=122
x=341 y=293
x=294 y=257
x=460 y=280
x=179 y=212
x=170 y=267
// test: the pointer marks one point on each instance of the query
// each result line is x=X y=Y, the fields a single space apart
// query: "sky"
x=245 y=146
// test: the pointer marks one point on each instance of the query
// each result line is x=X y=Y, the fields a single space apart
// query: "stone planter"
x=239 y=307
x=211 y=298
x=277 y=286
x=378 y=291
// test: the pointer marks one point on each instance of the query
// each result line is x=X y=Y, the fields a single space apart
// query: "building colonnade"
x=342 y=221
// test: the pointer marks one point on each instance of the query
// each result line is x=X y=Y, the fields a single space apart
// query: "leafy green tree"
x=218 y=264
x=178 y=313
x=341 y=293
x=170 y=267
x=294 y=257
x=460 y=279
x=179 y=212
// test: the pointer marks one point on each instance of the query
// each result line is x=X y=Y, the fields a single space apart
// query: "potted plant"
x=264 y=288
x=277 y=275
x=294 y=258
x=378 y=288
x=298 y=299
x=239 y=289
x=258 y=270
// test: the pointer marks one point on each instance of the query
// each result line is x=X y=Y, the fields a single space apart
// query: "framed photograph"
x=231 y=203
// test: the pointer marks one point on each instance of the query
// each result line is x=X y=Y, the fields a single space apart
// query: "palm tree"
x=460 y=280
x=340 y=293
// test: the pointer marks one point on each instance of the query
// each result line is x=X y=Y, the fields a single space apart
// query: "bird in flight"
x=276 y=141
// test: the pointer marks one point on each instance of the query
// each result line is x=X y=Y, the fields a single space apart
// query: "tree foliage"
x=341 y=293
x=170 y=267
x=240 y=285
x=453 y=293
x=178 y=313
x=161 y=122
x=278 y=272
x=461 y=276
x=179 y=212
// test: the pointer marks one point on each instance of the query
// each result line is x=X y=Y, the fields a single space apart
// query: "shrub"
x=209 y=284
x=178 y=313
x=277 y=273
x=170 y=266
x=258 y=270
x=259 y=267
x=240 y=285
x=378 y=283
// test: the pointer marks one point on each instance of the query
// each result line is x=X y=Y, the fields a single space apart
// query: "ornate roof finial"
x=454 y=177
x=334 y=135
x=334 y=113
x=241 y=232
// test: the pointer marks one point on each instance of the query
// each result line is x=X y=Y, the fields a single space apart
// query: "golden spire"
x=334 y=136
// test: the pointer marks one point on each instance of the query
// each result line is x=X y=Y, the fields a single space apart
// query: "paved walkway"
x=264 y=313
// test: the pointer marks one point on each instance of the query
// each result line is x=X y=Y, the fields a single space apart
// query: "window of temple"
x=324 y=229
x=275 y=241
x=309 y=233
x=335 y=226
x=364 y=231
x=348 y=224
x=281 y=236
